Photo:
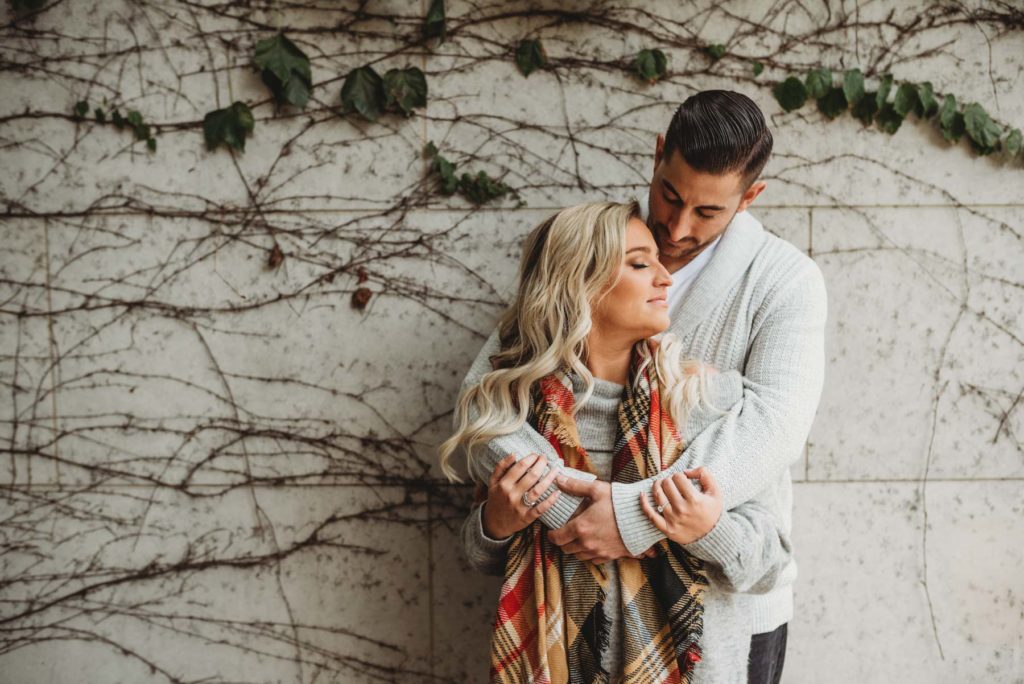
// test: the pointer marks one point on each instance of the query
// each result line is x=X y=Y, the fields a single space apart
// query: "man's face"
x=688 y=209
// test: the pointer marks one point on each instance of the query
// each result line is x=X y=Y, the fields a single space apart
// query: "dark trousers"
x=767 y=655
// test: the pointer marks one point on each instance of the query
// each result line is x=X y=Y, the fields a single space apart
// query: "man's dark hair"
x=720 y=132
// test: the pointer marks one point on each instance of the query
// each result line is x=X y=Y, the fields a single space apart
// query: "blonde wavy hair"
x=569 y=262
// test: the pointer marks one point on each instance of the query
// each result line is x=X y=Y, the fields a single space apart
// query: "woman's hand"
x=504 y=512
x=687 y=514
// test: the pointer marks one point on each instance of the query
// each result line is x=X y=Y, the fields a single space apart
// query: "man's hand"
x=592 y=533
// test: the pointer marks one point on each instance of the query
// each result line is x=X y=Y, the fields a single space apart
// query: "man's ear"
x=751 y=194
x=659 y=147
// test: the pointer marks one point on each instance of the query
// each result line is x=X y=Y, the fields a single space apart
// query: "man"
x=742 y=300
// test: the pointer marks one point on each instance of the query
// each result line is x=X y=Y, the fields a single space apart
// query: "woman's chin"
x=656 y=325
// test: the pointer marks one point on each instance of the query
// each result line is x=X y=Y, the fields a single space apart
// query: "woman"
x=578 y=363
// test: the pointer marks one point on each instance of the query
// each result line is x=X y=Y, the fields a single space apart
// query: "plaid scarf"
x=551 y=625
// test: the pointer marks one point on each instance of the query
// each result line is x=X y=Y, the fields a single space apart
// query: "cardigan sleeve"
x=483 y=553
x=747 y=547
x=724 y=389
x=749 y=447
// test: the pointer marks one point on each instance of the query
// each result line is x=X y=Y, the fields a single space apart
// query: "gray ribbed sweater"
x=750 y=526
x=756 y=312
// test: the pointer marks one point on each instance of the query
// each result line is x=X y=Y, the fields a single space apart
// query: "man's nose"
x=679 y=226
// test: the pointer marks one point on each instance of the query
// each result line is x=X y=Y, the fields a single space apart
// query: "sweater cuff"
x=487 y=542
x=566 y=504
x=636 y=529
x=721 y=545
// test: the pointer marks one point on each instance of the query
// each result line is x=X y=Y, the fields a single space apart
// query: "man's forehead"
x=693 y=186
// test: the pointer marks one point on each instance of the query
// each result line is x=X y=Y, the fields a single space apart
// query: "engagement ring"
x=526 y=500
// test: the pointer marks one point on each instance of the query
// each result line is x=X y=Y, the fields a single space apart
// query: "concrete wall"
x=220 y=471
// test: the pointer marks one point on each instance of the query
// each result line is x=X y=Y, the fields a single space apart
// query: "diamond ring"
x=526 y=500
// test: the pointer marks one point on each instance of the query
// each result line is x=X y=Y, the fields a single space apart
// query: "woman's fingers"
x=544 y=505
x=675 y=498
x=653 y=514
x=533 y=472
x=708 y=483
x=501 y=468
x=517 y=470
x=537 y=488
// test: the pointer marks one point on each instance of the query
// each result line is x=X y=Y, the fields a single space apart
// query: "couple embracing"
x=631 y=422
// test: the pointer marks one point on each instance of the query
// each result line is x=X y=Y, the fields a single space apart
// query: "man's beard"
x=688 y=248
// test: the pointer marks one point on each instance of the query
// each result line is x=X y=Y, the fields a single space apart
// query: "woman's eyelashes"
x=639 y=265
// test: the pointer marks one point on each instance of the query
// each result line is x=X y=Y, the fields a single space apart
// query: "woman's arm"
x=483 y=553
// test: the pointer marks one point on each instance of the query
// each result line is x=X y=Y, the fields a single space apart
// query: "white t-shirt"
x=683 y=278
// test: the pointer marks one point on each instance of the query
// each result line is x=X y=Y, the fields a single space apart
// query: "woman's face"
x=637 y=306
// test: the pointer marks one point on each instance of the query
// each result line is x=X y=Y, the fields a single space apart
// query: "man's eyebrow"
x=705 y=207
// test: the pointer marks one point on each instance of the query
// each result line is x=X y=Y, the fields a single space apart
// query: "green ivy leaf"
x=151 y=144
x=100 y=115
x=118 y=120
x=284 y=69
x=791 y=93
x=833 y=104
x=651 y=65
x=363 y=92
x=433 y=25
x=81 y=108
x=481 y=188
x=888 y=119
x=984 y=133
x=405 y=89
x=758 y=68
x=927 y=97
x=951 y=121
x=883 y=90
x=906 y=100
x=530 y=56
x=715 y=52
x=853 y=86
x=866 y=109
x=229 y=126
x=819 y=82
x=1012 y=144
x=444 y=168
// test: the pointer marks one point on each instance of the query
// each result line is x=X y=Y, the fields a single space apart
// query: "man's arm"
x=750 y=447
x=724 y=389
x=746 y=548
